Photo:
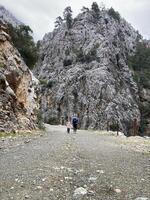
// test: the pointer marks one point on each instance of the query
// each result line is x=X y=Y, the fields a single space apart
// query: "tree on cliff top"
x=114 y=14
x=68 y=17
x=96 y=10
x=58 y=22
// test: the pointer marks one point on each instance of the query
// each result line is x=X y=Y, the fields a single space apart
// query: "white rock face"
x=18 y=103
x=79 y=192
x=142 y=198
x=86 y=72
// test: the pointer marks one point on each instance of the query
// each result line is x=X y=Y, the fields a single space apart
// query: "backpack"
x=75 y=120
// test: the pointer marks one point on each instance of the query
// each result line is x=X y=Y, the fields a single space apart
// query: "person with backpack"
x=75 y=121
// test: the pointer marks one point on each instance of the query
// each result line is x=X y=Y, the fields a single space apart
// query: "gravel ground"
x=89 y=165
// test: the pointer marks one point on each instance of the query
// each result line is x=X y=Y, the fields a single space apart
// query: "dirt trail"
x=60 y=166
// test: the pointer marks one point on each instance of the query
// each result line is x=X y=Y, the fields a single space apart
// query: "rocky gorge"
x=84 y=70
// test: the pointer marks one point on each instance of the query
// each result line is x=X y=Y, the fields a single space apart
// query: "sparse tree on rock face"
x=58 y=22
x=22 y=39
x=84 y=9
x=68 y=17
x=114 y=14
x=95 y=9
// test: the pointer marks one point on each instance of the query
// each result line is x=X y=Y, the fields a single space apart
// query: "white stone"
x=39 y=187
x=117 y=190
x=79 y=192
x=92 y=179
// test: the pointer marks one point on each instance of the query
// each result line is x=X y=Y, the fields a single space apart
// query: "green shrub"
x=92 y=54
x=53 y=121
x=50 y=84
x=96 y=10
x=43 y=82
x=140 y=64
x=40 y=122
x=68 y=17
x=114 y=14
x=114 y=127
x=80 y=57
x=2 y=65
x=67 y=62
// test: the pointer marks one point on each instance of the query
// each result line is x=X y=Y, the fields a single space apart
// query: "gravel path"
x=60 y=166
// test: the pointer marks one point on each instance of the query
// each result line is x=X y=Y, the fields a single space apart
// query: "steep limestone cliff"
x=17 y=94
x=83 y=70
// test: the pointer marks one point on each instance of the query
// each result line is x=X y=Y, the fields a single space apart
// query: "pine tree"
x=96 y=10
x=84 y=9
x=68 y=17
x=114 y=14
x=58 y=22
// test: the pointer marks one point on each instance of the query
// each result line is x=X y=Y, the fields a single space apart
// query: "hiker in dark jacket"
x=75 y=121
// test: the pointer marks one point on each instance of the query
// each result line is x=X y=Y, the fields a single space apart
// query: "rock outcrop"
x=6 y=16
x=84 y=70
x=17 y=93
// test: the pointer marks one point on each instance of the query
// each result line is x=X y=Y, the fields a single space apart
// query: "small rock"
x=68 y=178
x=100 y=171
x=117 y=190
x=56 y=168
x=12 y=188
x=79 y=192
x=91 y=193
x=27 y=196
x=39 y=187
x=92 y=179
x=22 y=184
x=26 y=141
x=51 y=189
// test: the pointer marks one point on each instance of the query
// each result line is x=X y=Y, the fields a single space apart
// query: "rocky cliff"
x=83 y=70
x=6 y=16
x=17 y=94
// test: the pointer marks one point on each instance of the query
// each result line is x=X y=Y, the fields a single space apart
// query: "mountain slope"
x=6 y=16
x=83 y=70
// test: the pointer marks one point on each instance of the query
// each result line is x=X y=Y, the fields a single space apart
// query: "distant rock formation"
x=83 y=69
x=17 y=94
x=6 y=16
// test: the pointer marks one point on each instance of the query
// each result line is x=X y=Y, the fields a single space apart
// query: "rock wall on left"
x=18 y=104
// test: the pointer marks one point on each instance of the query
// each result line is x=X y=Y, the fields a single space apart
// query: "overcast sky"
x=41 y=14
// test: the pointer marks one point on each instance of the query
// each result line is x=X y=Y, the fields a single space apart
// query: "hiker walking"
x=69 y=126
x=75 y=121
